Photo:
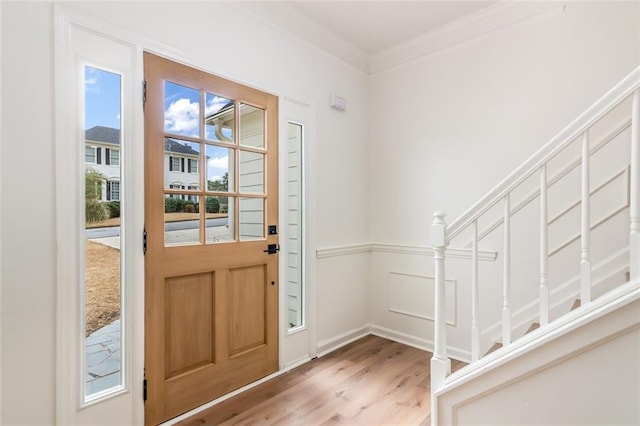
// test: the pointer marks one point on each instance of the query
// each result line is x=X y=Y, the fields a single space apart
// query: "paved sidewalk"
x=102 y=348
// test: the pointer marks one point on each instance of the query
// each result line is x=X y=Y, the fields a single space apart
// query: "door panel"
x=189 y=311
x=247 y=302
x=211 y=290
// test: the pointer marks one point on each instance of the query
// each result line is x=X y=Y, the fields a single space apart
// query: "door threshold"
x=222 y=398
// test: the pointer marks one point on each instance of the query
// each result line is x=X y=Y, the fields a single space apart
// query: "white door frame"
x=298 y=346
x=80 y=41
x=127 y=406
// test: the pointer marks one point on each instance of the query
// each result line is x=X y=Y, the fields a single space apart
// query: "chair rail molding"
x=455 y=253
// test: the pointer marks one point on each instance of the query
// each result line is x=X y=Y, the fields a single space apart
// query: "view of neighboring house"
x=102 y=154
x=181 y=166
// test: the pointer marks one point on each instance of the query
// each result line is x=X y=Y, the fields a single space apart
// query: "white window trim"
x=193 y=161
x=299 y=343
x=95 y=154
x=173 y=159
x=111 y=152
x=111 y=182
x=70 y=57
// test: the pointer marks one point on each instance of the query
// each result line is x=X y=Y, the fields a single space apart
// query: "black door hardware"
x=272 y=248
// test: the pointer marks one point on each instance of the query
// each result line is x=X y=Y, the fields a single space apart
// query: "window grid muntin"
x=235 y=147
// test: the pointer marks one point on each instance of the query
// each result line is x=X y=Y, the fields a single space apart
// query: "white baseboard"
x=417 y=342
x=329 y=345
x=297 y=363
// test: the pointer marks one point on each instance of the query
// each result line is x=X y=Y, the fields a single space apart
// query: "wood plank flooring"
x=370 y=381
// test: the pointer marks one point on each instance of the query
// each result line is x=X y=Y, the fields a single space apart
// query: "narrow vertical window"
x=294 y=259
x=102 y=255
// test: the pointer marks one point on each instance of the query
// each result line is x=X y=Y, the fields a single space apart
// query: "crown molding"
x=459 y=32
x=285 y=17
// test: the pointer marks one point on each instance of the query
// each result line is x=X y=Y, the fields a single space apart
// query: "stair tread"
x=532 y=327
x=494 y=348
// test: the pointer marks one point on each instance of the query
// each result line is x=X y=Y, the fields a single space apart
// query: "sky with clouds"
x=182 y=110
x=102 y=98
x=182 y=117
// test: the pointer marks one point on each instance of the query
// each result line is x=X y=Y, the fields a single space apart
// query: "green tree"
x=93 y=184
x=94 y=211
x=219 y=184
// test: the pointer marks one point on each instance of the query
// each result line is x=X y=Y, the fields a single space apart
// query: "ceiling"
x=375 y=26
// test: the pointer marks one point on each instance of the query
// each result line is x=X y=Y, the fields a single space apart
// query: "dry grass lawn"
x=103 y=274
x=102 y=277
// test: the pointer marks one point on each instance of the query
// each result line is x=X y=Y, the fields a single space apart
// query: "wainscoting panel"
x=413 y=295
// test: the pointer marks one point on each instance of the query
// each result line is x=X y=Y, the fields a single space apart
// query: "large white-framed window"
x=295 y=279
x=89 y=384
x=102 y=259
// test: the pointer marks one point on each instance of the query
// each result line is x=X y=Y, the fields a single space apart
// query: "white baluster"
x=475 y=329
x=634 y=208
x=585 y=242
x=544 y=248
x=506 y=277
x=440 y=364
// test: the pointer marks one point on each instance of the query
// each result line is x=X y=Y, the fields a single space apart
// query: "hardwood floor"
x=370 y=381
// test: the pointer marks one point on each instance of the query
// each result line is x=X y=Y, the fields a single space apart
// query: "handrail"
x=552 y=181
x=587 y=119
x=441 y=234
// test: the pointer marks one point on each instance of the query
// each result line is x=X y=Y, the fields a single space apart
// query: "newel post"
x=440 y=364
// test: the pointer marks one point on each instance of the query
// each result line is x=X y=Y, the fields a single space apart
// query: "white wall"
x=448 y=127
x=598 y=386
x=588 y=375
x=225 y=40
x=28 y=220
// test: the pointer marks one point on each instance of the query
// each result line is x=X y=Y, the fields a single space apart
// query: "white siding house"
x=182 y=165
x=102 y=154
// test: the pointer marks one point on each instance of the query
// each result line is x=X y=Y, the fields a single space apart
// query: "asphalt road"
x=114 y=231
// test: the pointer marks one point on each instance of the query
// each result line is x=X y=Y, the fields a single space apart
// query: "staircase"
x=559 y=313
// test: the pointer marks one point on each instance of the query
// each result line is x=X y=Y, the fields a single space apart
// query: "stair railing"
x=441 y=233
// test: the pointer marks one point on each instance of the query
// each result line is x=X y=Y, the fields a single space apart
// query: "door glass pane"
x=251 y=126
x=181 y=219
x=181 y=110
x=181 y=164
x=220 y=226
x=219 y=118
x=251 y=219
x=219 y=168
x=251 y=172
x=102 y=258
x=295 y=288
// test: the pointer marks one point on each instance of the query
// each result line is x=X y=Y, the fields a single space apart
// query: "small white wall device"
x=338 y=103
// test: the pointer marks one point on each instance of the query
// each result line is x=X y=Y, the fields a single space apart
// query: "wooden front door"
x=211 y=197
